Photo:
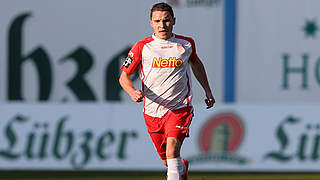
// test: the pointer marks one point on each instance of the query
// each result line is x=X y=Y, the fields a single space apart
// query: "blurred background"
x=62 y=108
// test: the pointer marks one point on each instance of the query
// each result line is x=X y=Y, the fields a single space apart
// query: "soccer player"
x=164 y=61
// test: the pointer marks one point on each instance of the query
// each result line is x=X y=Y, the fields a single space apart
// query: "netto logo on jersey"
x=172 y=62
x=219 y=139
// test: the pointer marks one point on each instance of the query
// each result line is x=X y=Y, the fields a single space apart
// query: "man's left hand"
x=210 y=102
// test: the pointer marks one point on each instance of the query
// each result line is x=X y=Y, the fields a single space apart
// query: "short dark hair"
x=161 y=7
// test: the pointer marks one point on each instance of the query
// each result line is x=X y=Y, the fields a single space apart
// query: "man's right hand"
x=127 y=85
x=136 y=96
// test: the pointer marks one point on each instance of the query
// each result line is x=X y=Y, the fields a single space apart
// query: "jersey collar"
x=157 y=39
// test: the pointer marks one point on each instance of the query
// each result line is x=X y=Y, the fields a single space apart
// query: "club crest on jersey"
x=172 y=62
x=127 y=62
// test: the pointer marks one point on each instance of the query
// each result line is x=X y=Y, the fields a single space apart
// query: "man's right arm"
x=128 y=87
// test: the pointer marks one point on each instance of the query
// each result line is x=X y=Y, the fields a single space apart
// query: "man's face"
x=162 y=24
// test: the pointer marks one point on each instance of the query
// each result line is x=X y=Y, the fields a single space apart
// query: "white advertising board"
x=277 y=51
x=71 y=51
x=74 y=137
x=114 y=137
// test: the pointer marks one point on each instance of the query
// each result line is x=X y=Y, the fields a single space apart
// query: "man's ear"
x=174 y=21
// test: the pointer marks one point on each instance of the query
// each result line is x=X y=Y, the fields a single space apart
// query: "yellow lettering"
x=164 y=63
x=178 y=63
x=156 y=63
x=171 y=62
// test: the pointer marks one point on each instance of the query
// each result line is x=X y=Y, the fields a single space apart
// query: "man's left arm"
x=200 y=74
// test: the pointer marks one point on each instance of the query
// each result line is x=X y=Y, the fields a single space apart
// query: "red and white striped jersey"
x=164 y=70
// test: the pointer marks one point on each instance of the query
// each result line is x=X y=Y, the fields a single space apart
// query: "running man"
x=164 y=61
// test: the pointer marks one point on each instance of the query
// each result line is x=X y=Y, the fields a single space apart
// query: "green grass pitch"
x=130 y=175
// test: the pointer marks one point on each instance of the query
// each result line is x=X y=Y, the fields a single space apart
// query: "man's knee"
x=173 y=147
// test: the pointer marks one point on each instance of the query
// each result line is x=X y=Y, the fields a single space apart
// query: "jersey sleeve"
x=133 y=59
x=193 y=56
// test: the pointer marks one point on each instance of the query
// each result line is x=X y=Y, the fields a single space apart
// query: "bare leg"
x=174 y=163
